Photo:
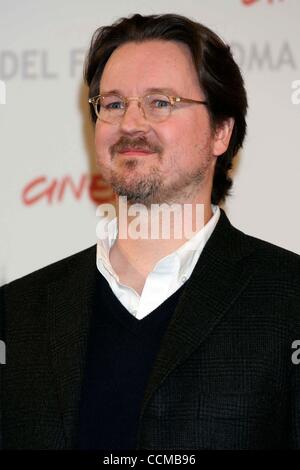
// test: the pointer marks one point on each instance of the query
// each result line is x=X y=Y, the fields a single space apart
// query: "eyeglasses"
x=156 y=107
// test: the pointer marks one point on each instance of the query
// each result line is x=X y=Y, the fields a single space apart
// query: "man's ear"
x=222 y=136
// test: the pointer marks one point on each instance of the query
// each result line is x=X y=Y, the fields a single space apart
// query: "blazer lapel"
x=217 y=280
x=70 y=303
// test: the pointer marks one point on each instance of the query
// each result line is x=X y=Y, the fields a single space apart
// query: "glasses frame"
x=126 y=99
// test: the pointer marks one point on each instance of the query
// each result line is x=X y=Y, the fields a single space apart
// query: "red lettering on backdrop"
x=251 y=2
x=55 y=190
x=68 y=181
x=45 y=191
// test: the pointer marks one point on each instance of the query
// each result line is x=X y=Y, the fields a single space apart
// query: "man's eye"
x=160 y=103
x=115 y=105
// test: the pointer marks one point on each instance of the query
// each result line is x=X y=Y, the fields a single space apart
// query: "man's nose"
x=134 y=117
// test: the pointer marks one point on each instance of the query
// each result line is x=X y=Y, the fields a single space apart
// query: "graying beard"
x=143 y=192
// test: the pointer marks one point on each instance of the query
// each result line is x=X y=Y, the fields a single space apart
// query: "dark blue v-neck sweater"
x=120 y=355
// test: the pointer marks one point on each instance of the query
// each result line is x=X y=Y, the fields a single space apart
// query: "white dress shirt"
x=168 y=274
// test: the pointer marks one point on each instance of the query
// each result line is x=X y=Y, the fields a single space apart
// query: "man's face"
x=169 y=161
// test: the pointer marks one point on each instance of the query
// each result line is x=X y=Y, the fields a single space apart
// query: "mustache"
x=140 y=143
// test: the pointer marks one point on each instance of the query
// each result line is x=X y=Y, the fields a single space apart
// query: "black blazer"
x=223 y=378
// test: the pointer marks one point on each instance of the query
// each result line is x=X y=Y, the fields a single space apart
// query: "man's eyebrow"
x=164 y=91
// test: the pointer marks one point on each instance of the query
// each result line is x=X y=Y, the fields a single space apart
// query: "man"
x=152 y=343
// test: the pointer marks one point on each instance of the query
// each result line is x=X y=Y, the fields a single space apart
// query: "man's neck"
x=134 y=258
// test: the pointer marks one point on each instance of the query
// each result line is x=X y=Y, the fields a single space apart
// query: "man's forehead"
x=155 y=63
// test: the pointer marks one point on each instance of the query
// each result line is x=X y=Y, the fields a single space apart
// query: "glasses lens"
x=110 y=108
x=157 y=107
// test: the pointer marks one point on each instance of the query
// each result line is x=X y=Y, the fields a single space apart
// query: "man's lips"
x=129 y=151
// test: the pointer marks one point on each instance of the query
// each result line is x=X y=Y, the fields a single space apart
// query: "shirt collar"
x=191 y=249
x=183 y=258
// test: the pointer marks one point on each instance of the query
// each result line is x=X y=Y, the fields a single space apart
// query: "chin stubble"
x=152 y=190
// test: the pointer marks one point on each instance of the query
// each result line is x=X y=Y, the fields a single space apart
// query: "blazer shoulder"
x=266 y=248
x=272 y=259
x=76 y=262
x=267 y=257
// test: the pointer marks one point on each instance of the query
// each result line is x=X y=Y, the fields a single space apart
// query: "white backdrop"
x=46 y=206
